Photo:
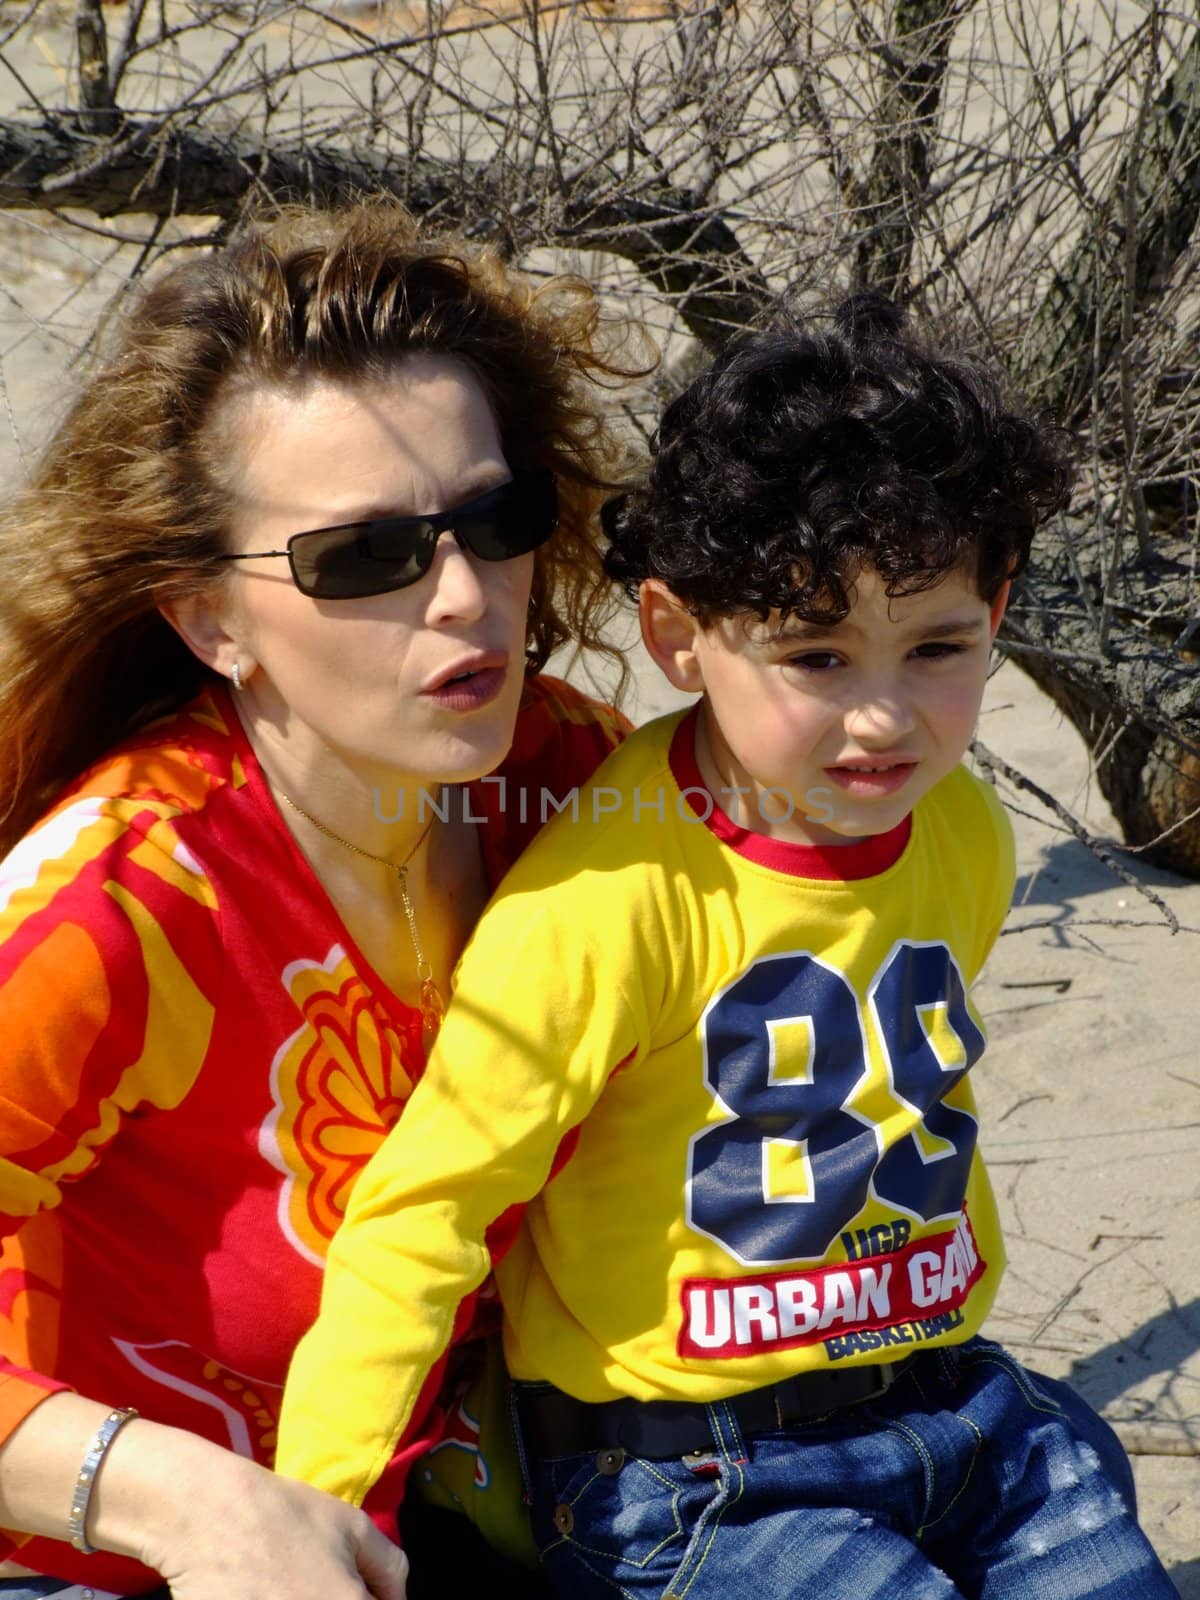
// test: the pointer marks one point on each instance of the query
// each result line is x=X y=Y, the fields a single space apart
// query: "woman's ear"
x=998 y=606
x=670 y=632
x=201 y=621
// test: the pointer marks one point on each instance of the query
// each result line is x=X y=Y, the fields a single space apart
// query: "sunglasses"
x=356 y=559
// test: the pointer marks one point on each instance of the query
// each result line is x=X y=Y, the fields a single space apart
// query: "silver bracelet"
x=81 y=1499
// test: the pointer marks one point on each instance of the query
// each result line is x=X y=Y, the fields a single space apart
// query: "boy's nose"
x=880 y=719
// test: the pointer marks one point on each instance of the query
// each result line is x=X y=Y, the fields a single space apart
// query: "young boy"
x=713 y=1035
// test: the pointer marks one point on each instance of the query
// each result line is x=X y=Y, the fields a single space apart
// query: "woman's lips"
x=469 y=691
x=869 y=782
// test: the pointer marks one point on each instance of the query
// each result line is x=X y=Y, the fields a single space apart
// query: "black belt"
x=555 y=1424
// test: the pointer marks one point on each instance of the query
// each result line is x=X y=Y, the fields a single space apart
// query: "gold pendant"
x=432 y=1012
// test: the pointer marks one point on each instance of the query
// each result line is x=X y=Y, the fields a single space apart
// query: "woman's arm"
x=215 y=1525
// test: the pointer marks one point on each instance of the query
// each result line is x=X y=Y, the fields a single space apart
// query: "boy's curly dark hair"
x=801 y=457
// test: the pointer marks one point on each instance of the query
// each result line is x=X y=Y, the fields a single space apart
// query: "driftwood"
x=158 y=169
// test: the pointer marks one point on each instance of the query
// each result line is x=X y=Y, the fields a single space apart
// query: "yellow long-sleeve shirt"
x=747 y=1076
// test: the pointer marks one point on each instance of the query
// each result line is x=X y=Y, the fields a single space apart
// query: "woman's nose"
x=458 y=592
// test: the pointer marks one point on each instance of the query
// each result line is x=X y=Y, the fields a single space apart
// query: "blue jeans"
x=971 y=1479
x=47 y=1588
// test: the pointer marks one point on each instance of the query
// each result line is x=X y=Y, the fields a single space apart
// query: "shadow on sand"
x=1162 y=1345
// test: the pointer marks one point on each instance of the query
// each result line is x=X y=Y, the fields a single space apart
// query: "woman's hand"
x=215 y=1525
x=273 y=1538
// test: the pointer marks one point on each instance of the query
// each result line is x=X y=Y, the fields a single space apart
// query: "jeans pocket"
x=1042 y=1395
x=1053 y=1414
x=620 y=1525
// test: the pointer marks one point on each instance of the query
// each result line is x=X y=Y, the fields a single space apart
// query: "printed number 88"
x=805 y=1105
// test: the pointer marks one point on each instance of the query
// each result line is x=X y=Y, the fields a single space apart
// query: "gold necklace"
x=433 y=1008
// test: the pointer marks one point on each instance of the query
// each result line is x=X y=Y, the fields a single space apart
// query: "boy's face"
x=834 y=731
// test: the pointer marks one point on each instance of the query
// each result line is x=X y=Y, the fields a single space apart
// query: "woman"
x=269 y=732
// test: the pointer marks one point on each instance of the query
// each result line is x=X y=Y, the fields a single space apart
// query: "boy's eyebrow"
x=953 y=628
x=797 y=631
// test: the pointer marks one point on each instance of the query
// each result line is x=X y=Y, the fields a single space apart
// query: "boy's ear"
x=998 y=606
x=669 y=632
x=200 y=621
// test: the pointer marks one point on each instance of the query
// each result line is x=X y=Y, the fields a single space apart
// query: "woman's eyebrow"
x=474 y=487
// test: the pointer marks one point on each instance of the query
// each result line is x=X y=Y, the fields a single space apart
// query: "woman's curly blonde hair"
x=129 y=507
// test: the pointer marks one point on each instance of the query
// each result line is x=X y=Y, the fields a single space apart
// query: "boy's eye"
x=814 y=660
x=938 y=650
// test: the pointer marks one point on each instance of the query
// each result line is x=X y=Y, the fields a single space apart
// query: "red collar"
x=864 y=858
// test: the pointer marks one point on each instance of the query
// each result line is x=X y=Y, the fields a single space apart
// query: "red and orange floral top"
x=197 y=1062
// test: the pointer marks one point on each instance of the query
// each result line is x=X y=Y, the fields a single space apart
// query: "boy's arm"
x=538 y=1021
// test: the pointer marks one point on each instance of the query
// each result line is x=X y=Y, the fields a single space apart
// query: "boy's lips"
x=867 y=779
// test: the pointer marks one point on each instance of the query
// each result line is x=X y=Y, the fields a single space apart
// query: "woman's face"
x=368 y=678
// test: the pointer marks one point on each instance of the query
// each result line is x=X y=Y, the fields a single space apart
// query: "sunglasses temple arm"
x=254 y=555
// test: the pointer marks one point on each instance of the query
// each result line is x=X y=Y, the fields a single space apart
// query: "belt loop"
x=727 y=1435
x=514 y=1417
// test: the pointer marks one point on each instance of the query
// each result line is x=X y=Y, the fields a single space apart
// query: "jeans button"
x=610 y=1462
x=564 y=1518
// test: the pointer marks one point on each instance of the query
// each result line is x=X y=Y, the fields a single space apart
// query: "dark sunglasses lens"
x=512 y=520
x=376 y=557
x=346 y=564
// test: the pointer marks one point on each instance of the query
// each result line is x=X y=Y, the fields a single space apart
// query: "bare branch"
x=912 y=61
x=688 y=252
x=95 y=90
x=994 y=767
x=1160 y=181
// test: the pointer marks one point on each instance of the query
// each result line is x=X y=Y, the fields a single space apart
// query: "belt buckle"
x=888 y=1372
x=883 y=1379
